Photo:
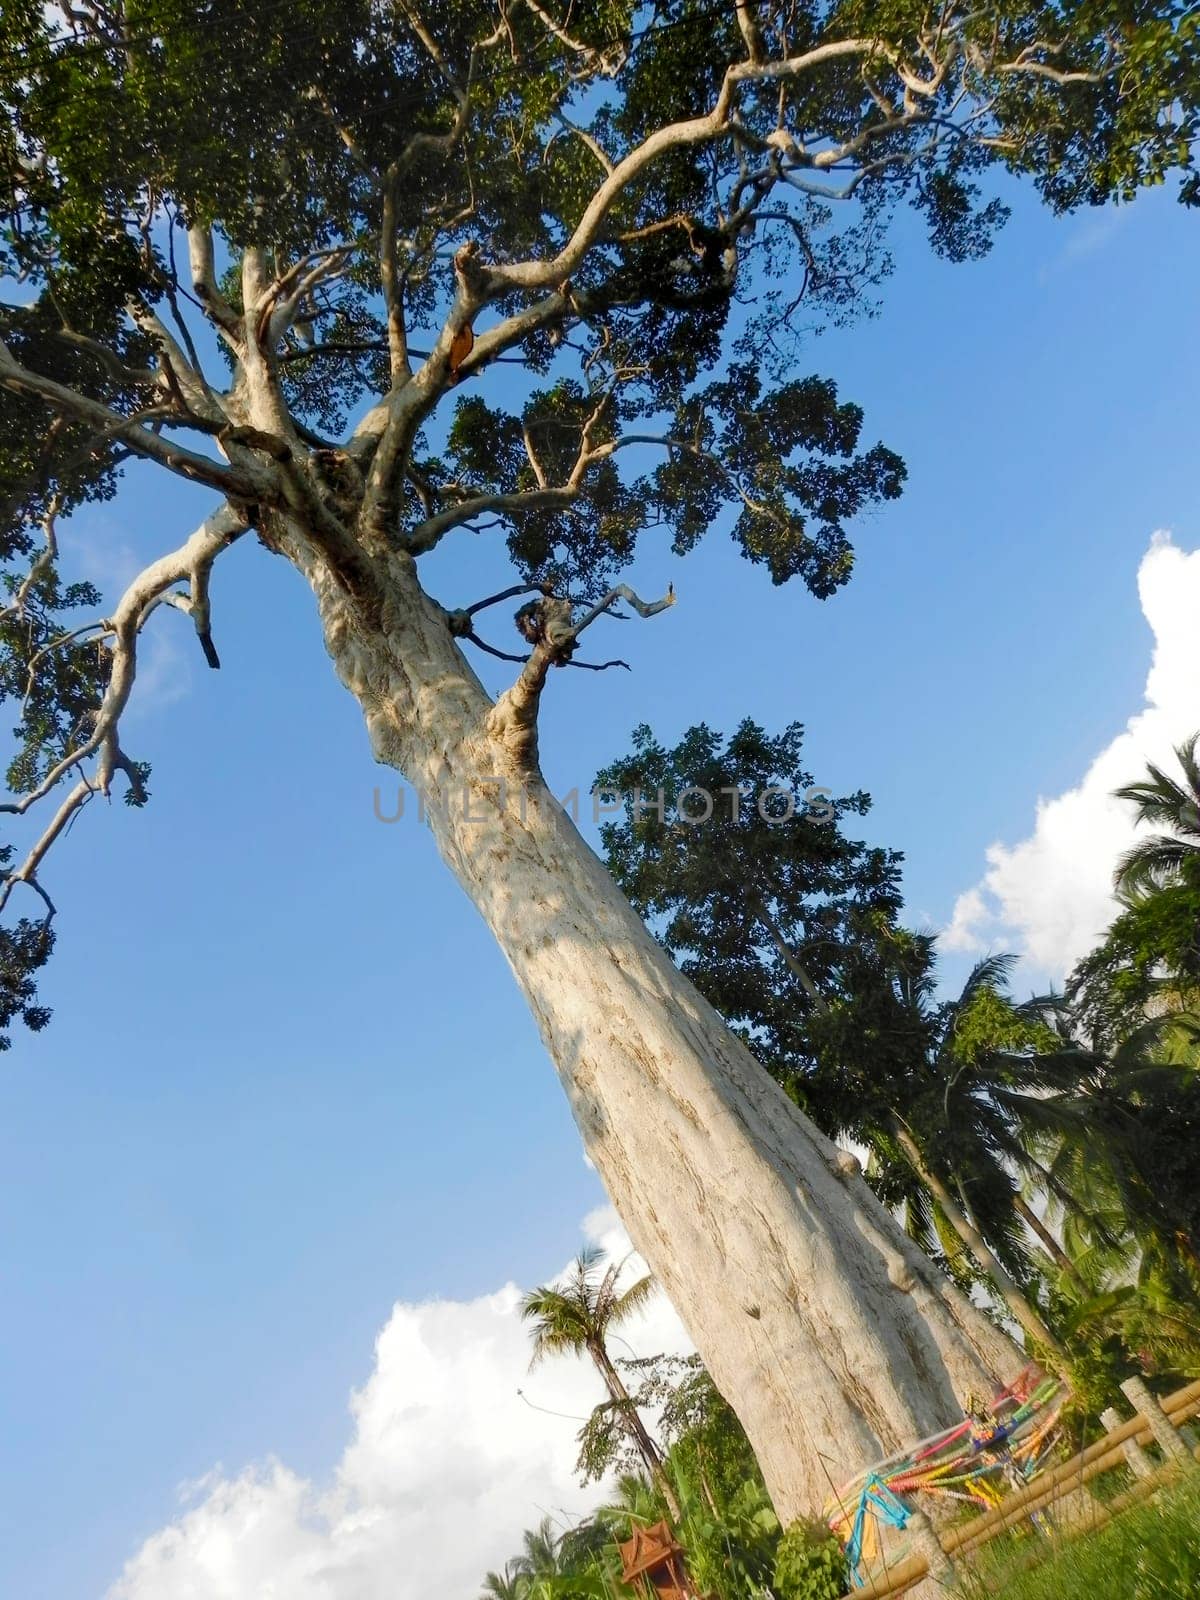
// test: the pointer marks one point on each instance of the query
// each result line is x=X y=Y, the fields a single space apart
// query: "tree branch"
x=549 y=627
x=204 y=284
x=192 y=561
x=429 y=533
x=245 y=483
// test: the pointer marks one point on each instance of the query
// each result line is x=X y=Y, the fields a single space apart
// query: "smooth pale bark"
x=832 y=1336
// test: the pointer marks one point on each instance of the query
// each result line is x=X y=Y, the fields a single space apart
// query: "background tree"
x=790 y=929
x=1126 y=1135
x=226 y=230
x=575 y=1318
x=731 y=1535
x=507 y=1584
x=1149 y=961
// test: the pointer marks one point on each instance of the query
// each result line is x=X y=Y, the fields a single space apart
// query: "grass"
x=1151 y=1552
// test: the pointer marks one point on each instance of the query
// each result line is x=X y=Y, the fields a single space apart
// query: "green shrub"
x=810 y=1564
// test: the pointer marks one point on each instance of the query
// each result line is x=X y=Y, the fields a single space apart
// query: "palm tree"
x=552 y=1566
x=576 y=1317
x=539 y=1558
x=1165 y=802
x=1123 y=1135
x=634 y=1500
x=1148 y=963
x=509 y=1584
x=914 y=1081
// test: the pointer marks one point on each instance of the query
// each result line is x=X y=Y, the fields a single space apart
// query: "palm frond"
x=634 y=1299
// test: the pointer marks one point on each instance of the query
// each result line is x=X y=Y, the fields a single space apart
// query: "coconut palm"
x=913 y=1080
x=575 y=1317
x=1148 y=963
x=1164 y=802
x=540 y=1556
x=508 y=1584
x=1124 y=1135
x=960 y=1125
x=551 y=1566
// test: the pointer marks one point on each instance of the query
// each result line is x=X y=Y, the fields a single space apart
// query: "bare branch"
x=289 y=292
x=607 y=62
x=393 y=287
x=424 y=537
x=597 y=666
x=624 y=592
x=747 y=20
x=108 y=359
x=588 y=140
x=194 y=604
x=501 y=655
x=102 y=626
x=193 y=560
x=195 y=555
x=184 y=374
x=549 y=627
x=718 y=124
x=505 y=594
x=45 y=559
x=204 y=284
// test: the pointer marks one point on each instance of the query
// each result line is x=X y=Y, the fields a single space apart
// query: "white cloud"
x=1086 y=234
x=446 y=1465
x=1049 y=897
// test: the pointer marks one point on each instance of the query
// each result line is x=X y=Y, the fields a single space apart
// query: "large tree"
x=229 y=227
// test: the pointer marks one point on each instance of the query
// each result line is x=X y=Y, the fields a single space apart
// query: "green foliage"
x=387 y=143
x=708 y=1445
x=725 y=1519
x=810 y=1564
x=24 y=949
x=713 y=889
x=731 y=1544
x=790 y=452
x=790 y=929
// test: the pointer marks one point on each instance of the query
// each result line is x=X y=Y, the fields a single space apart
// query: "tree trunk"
x=1039 y=1229
x=637 y=1430
x=970 y=1235
x=832 y=1336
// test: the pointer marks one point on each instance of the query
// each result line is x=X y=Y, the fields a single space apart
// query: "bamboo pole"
x=1104 y=1455
x=1139 y=1462
x=1162 y=1427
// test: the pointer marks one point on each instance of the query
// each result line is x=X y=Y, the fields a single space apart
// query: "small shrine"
x=653 y=1560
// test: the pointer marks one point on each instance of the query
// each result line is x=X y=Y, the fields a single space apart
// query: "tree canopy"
x=278 y=252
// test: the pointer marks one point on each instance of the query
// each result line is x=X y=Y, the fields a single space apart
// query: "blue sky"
x=289 y=1081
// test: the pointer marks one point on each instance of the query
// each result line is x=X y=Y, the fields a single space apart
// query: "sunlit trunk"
x=831 y=1335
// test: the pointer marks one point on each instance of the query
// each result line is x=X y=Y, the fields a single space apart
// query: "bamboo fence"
x=1102 y=1456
